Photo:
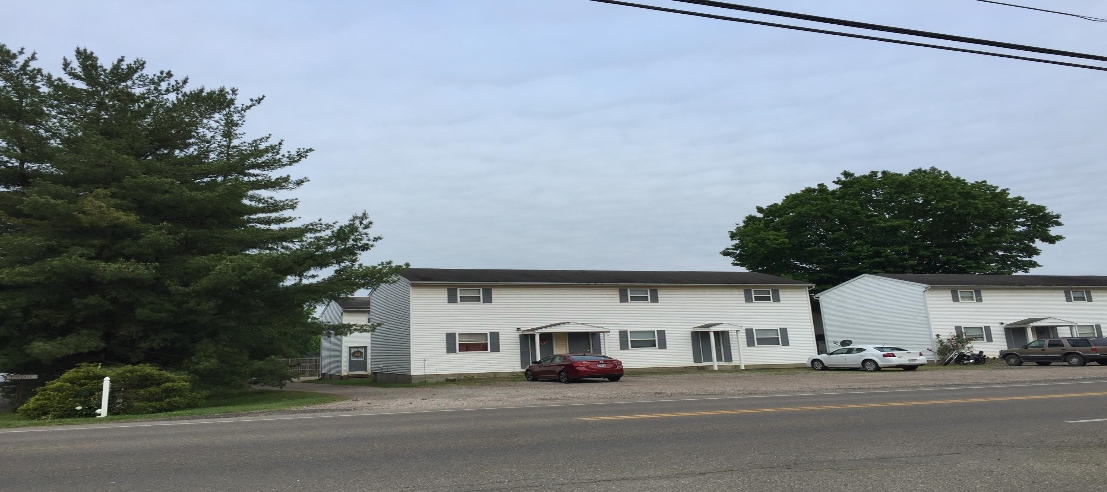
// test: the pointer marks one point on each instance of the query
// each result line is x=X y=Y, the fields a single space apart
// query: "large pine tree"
x=139 y=224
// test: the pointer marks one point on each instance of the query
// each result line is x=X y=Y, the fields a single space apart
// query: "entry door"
x=1016 y=337
x=359 y=359
x=701 y=346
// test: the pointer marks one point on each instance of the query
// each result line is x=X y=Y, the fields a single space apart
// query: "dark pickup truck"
x=1074 y=351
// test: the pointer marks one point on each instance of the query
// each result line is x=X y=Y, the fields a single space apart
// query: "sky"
x=570 y=134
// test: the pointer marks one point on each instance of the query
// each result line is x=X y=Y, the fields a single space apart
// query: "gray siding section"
x=877 y=310
x=330 y=348
x=391 y=348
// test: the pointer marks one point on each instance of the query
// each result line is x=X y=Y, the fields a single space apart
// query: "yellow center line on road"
x=839 y=407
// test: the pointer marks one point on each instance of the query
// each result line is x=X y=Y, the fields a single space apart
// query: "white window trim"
x=961 y=295
x=631 y=339
x=768 y=293
x=631 y=295
x=480 y=294
x=981 y=338
x=756 y=343
x=1084 y=293
x=1090 y=328
x=487 y=342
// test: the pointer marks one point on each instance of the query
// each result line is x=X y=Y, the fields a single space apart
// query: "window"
x=1056 y=344
x=974 y=333
x=472 y=342
x=1079 y=342
x=769 y=336
x=638 y=295
x=966 y=295
x=762 y=295
x=1036 y=344
x=1079 y=295
x=1085 y=331
x=469 y=295
x=643 y=339
x=841 y=351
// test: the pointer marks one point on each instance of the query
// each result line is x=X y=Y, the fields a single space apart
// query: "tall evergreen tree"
x=138 y=223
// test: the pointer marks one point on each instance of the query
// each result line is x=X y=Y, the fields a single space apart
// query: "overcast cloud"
x=568 y=134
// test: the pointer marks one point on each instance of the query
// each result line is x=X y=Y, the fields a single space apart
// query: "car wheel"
x=818 y=365
x=1013 y=360
x=530 y=375
x=910 y=368
x=614 y=378
x=870 y=365
x=1075 y=360
x=564 y=378
x=1043 y=363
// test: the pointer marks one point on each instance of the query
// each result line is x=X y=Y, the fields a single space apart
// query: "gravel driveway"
x=507 y=392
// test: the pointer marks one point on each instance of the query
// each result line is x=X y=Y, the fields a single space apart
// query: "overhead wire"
x=851 y=35
x=1085 y=17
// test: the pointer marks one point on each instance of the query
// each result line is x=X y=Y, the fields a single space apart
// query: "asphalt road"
x=1014 y=437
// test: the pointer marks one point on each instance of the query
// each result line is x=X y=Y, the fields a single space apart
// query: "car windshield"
x=590 y=357
x=891 y=349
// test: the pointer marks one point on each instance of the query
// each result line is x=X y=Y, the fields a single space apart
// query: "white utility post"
x=103 y=411
x=714 y=360
x=741 y=361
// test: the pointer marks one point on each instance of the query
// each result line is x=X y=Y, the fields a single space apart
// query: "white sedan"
x=869 y=358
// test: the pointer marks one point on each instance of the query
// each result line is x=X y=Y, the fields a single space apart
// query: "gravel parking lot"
x=509 y=392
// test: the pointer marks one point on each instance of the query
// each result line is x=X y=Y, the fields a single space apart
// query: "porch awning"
x=1028 y=322
x=717 y=327
x=564 y=327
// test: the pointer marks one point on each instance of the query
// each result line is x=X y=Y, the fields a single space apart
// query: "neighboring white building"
x=438 y=323
x=343 y=356
x=996 y=311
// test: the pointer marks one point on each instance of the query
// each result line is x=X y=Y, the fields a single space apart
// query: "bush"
x=135 y=390
x=952 y=343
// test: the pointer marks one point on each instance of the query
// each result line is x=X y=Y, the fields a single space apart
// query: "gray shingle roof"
x=483 y=276
x=353 y=303
x=1002 y=280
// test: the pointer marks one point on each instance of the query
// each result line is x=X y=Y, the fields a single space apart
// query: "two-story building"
x=344 y=356
x=995 y=311
x=439 y=323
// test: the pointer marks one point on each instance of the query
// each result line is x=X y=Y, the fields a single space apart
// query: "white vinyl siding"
x=391 y=348
x=871 y=310
x=528 y=306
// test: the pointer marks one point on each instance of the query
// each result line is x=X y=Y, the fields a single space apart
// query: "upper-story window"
x=638 y=295
x=1084 y=331
x=1079 y=296
x=762 y=295
x=469 y=295
x=966 y=295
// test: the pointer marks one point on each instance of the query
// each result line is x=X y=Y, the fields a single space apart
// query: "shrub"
x=952 y=343
x=134 y=390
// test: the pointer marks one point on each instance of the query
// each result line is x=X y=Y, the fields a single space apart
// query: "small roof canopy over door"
x=1028 y=322
x=566 y=327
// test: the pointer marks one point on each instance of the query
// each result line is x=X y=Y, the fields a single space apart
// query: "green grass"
x=227 y=402
x=417 y=384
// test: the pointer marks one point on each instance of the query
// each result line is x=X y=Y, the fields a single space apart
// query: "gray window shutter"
x=624 y=296
x=486 y=295
x=750 y=341
x=653 y=295
x=697 y=353
x=526 y=344
x=624 y=340
x=451 y=343
x=451 y=294
x=958 y=330
x=1098 y=331
x=1088 y=294
x=987 y=333
x=978 y=297
x=776 y=295
x=661 y=344
x=725 y=336
x=1068 y=296
x=749 y=295
x=597 y=344
x=494 y=341
x=784 y=337
x=956 y=298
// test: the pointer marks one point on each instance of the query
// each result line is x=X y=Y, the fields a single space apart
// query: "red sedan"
x=568 y=367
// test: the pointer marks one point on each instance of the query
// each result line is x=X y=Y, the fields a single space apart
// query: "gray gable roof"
x=614 y=277
x=1001 y=280
x=353 y=303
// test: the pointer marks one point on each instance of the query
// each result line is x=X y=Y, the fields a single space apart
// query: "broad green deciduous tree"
x=138 y=224
x=925 y=221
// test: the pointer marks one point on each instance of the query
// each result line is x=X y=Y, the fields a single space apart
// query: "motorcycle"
x=965 y=358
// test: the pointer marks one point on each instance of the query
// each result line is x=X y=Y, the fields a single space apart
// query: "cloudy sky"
x=569 y=134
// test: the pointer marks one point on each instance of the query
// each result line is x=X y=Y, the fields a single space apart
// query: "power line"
x=1085 y=17
x=848 y=35
x=897 y=30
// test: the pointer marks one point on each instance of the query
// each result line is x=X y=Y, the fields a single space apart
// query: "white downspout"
x=741 y=361
x=714 y=359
